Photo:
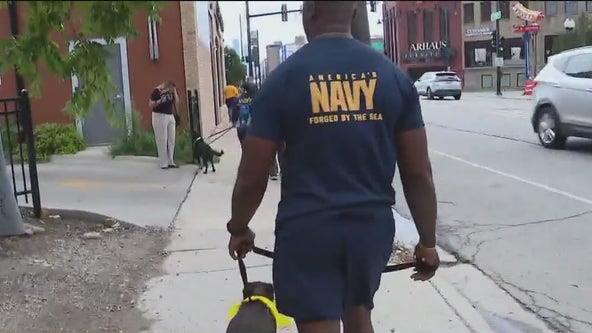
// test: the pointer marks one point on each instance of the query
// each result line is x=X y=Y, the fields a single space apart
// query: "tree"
x=71 y=20
x=236 y=71
x=580 y=36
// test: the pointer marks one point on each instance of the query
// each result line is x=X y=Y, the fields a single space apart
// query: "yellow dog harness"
x=280 y=319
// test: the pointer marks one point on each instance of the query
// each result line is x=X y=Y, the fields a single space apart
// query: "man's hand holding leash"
x=242 y=240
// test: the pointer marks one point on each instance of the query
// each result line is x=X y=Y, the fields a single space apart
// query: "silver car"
x=563 y=98
x=439 y=85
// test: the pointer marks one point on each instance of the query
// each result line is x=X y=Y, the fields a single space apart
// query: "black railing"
x=16 y=128
x=194 y=115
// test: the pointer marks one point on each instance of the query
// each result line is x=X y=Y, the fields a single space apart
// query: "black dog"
x=254 y=316
x=205 y=154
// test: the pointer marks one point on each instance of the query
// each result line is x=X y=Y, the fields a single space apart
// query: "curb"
x=458 y=303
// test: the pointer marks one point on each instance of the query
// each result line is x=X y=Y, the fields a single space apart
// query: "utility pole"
x=240 y=24
x=498 y=79
x=249 y=60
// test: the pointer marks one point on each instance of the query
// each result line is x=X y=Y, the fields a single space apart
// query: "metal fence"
x=16 y=128
x=194 y=116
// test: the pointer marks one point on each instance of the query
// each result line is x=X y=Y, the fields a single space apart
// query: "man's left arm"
x=258 y=153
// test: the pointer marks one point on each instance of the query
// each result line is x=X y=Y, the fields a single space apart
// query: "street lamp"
x=569 y=24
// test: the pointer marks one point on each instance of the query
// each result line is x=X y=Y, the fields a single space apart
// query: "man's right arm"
x=415 y=168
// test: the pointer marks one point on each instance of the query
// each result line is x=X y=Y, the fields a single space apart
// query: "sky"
x=271 y=28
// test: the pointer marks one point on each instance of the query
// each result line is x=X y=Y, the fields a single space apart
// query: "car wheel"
x=548 y=130
x=429 y=93
x=457 y=97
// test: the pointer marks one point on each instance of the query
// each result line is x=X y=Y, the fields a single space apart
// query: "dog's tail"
x=219 y=153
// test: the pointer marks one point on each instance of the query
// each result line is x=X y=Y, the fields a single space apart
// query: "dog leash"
x=219 y=134
x=243 y=271
x=387 y=269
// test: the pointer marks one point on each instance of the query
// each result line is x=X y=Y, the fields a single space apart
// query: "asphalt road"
x=520 y=213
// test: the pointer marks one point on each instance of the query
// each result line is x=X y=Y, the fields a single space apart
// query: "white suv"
x=439 y=84
x=563 y=98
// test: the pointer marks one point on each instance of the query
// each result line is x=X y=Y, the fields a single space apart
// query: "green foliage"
x=580 y=36
x=141 y=142
x=50 y=139
x=235 y=69
x=57 y=139
x=79 y=21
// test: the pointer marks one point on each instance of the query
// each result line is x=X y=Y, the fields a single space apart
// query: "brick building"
x=185 y=47
x=480 y=74
x=422 y=36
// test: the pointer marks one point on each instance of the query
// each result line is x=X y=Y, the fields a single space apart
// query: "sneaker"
x=173 y=166
x=273 y=177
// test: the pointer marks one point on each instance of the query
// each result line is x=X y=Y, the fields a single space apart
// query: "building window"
x=571 y=7
x=444 y=24
x=428 y=26
x=505 y=9
x=520 y=80
x=468 y=13
x=513 y=50
x=589 y=6
x=478 y=54
x=486 y=81
x=485 y=11
x=551 y=8
x=411 y=28
x=506 y=78
x=548 y=41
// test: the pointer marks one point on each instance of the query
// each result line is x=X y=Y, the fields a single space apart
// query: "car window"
x=579 y=66
x=447 y=76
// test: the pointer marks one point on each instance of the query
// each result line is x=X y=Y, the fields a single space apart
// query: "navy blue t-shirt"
x=337 y=104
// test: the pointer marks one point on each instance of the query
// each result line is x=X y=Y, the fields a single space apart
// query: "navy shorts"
x=331 y=261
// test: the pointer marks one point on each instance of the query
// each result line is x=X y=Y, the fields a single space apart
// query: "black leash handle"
x=243 y=271
x=388 y=268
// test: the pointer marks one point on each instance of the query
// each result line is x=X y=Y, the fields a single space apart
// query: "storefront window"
x=548 y=41
x=514 y=49
x=478 y=54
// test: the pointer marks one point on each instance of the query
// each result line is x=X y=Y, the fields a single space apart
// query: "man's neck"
x=333 y=34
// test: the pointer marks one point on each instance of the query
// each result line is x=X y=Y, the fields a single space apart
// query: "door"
x=576 y=94
x=96 y=128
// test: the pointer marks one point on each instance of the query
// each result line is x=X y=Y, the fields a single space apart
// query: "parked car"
x=439 y=84
x=562 y=98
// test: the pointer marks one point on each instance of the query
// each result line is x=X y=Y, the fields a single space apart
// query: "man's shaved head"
x=319 y=17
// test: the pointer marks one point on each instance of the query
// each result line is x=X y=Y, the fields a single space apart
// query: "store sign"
x=429 y=50
x=471 y=32
x=428 y=46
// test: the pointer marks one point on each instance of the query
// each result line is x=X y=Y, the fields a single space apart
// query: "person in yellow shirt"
x=231 y=97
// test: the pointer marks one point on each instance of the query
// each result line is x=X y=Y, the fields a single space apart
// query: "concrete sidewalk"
x=200 y=281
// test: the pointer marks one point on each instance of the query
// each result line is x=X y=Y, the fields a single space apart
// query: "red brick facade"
x=144 y=73
x=423 y=36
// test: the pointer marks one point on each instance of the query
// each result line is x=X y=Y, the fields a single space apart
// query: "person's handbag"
x=176 y=116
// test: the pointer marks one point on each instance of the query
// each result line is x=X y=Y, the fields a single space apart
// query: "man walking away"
x=230 y=98
x=346 y=124
x=242 y=110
